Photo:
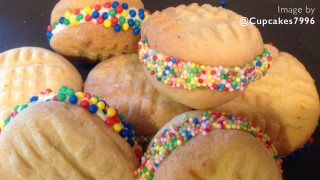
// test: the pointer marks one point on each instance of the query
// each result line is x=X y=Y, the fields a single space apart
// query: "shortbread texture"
x=284 y=104
x=205 y=35
x=121 y=81
x=28 y=70
x=221 y=154
x=91 y=41
x=55 y=140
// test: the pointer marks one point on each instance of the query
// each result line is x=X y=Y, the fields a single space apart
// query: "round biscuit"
x=284 y=104
x=120 y=80
x=88 y=40
x=56 y=140
x=221 y=154
x=28 y=70
x=203 y=34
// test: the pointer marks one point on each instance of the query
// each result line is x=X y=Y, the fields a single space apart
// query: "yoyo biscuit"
x=122 y=82
x=201 y=56
x=95 y=29
x=67 y=135
x=284 y=104
x=208 y=145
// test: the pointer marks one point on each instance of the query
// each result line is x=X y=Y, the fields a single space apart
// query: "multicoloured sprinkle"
x=223 y=3
x=187 y=75
x=143 y=141
x=293 y=155
x=116 y=15
x=174 y=136
x=92 y=103
x=301 y=150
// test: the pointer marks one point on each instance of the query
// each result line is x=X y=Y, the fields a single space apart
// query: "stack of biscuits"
x=182 y=93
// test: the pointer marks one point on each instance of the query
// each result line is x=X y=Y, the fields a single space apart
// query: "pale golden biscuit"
x=91 y=40
x=204 y=35
x=196 y=99
x=56 y=140
x=122 y=83
x=220 y=154
x=285 y=103
x=28 y=70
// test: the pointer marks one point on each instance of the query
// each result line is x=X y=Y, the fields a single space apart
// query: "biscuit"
x=28 y=70
x=209 y=35
x=69 y=132
x=55 y=140
x=284 y=104
x=95 y=29
x=201 y=56
x=206 y=145
x=121 y=81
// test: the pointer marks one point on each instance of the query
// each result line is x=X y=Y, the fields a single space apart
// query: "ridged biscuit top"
x=27 y=70
x=56 y=140
x=203 y=34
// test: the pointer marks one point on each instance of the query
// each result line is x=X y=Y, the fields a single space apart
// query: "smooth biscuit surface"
x=221 y=154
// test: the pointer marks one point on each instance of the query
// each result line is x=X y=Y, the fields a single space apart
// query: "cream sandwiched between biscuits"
x=201 y=56
x=208 y=145
x=285 y=104
x=67 y=135
x=121 y=80
x=95 y=29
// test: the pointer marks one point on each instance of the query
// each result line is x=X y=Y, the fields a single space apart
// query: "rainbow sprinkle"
x=188 y=75
x=92 y=103
x=116 y=15
x=301 y=150
x=223 y=3
x=143 y=141
x=174 y=136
